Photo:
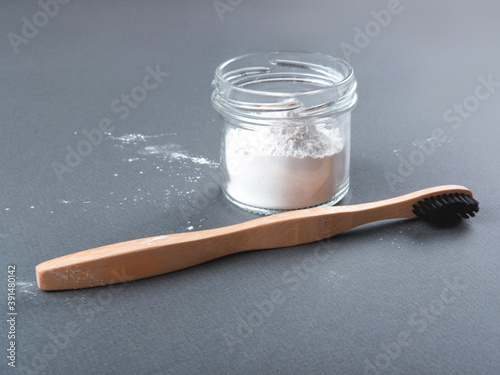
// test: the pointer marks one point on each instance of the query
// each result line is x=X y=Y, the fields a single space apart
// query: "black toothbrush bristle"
x=447 y=208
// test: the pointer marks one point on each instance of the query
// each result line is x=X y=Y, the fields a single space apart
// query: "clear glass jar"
x=286 y=136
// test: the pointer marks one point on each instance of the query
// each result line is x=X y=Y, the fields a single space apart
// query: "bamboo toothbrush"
x=139 y=259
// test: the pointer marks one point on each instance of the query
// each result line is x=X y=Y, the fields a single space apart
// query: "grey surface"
x=342 y=302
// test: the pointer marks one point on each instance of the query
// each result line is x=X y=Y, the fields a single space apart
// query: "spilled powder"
x=167 y=150
x=134 y=138
x=27 y=288
x=172 y=179
x=175 y=177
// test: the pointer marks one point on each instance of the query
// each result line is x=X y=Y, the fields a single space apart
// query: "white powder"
x=171 y=152
x=285 y=167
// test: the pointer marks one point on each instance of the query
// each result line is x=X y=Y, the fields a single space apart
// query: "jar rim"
x=347 y=77
x=285 y=86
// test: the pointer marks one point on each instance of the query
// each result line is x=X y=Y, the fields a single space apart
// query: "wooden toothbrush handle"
x=138 y=259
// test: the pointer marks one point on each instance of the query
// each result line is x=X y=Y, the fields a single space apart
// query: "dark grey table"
x=397 y=297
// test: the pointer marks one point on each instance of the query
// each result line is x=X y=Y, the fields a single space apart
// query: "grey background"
x=338 y=314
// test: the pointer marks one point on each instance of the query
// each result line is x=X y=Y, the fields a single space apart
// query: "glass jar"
x=286 y=129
